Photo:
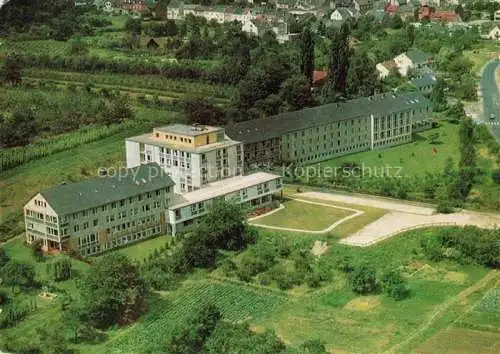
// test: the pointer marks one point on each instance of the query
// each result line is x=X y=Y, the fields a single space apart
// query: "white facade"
x=404 y=64
x=190 y=168
x=253 y=191
x=494 y=34
x=249 y=27
x=383 y=72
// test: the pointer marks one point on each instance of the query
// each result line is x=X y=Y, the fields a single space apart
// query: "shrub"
x=228 y=267
x=284 y=277
x=395 y=285
x=363 y=280
x=444 y=207
x=495 y=176
x=11 y=315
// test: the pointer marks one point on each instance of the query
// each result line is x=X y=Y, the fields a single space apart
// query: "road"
x=491 y=96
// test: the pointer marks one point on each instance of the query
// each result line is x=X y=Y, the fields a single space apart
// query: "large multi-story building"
x=332 y=130
x=139 y=202
x=102 y=212
x=193 y=156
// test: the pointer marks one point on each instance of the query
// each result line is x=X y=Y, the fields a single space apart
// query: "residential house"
x=363 y=5
x=385 y=68
x=343 y=14
x=429 y=13
x=496 y=16
x=337 y=129
x=137 y=5
x=249 y=27
x=494 y=34
x=411 y=60
x=391 y=9
x=424 y=82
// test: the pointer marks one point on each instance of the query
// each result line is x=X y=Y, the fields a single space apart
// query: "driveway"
x=401 y=217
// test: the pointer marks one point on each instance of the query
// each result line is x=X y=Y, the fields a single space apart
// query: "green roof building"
x=324 y=132
x=91 y=216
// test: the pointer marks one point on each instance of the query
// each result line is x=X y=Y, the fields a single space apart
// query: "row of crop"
x=236 y=304
x=189 y=70
x=13 y=157
x=38 y=47
x=134 y=82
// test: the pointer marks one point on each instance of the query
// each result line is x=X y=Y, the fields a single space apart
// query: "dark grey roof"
x=73 y=197
x=417 y=56
x=424 y=80
x=275 y=126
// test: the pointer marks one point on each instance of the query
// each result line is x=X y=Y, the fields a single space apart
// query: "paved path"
x=402 y=217
x=375 y=202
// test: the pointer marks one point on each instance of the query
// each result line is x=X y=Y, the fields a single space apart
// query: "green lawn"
x=414 y=158
x=350 y=226
x=141 y=250
x=304 y=216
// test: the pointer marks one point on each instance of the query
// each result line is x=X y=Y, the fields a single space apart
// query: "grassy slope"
x=23 y=182
x=351 y=323
x=424 y=158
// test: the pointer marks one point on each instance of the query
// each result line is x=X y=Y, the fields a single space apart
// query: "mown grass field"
x=142 y=250
x=304 y=216
x=350 y=226
x=413 y=159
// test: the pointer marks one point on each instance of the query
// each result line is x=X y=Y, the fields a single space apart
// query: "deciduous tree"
x=112 y=292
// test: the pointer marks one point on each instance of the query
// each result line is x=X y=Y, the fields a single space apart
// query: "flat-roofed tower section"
x=192 y=155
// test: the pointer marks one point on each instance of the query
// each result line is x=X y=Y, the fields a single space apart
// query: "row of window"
x=174 y=138
x=40 y=203
x=389 y=133
x=399 y=139
x=36 y=215
x=120 y=204
x=329 y=154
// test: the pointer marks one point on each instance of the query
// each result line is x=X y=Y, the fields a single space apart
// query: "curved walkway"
x=402 y=217
x=328 y=229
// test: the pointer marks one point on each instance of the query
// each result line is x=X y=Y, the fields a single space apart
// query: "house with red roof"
x=429 y=13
